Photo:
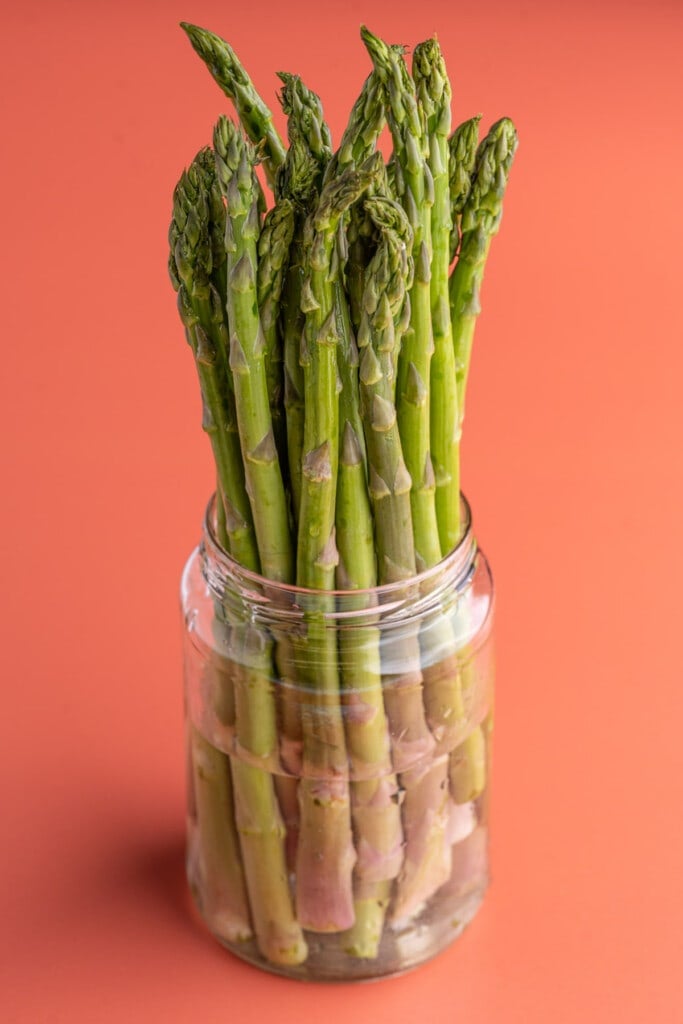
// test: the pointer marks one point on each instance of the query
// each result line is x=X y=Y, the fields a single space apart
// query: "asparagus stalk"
x=326 y=855
x=462 y=148
x=480 y=220
x=434 y=101
x=425 y=866
x=467 y=768
x=443 y=696
x=481 y=216
x=299 y=180
x=273 y=257
x=231 y=77
x=297 y=183
x=225 y=895
x=274 y=247
x=415 y=187
x=365 y=124
x=265 y=488
x=374 y=804
x=278 y=934
x=305 y=120
x=190 y=271
x=374 y=796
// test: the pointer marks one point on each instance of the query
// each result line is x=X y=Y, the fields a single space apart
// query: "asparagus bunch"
x=332 y=335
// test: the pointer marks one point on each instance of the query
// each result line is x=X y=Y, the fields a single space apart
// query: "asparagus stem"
x=324 y=890
x=278 y=935
x=234 y=164
x=296 y=183
x=424 y=786
x=273 y=257
x=363 y=938
x=462 y=148
x=374 y=801
x=365 y=124
x=468 y=768
x=385 y=305
x=427 y=863
x=231 y=77
x=481 y=216
x=259 y=821
x=305 y=120
x=434 y=100
x=415 y=187
x=190 y=266
x=225 y=896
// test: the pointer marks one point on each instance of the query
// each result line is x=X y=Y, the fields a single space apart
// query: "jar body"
x=339 y=749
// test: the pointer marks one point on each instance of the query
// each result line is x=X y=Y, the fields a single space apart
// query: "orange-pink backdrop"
x=572 y=462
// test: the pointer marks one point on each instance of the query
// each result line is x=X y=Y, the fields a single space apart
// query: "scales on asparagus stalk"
x=332 y=349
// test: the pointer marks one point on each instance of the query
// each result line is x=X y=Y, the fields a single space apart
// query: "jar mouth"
x=453 y=569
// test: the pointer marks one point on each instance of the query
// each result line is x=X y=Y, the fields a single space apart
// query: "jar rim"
x=455 y=566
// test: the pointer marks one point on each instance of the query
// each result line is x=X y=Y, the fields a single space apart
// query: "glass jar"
x=339 y=748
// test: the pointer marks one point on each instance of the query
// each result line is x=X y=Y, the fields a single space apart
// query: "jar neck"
x=233 y=585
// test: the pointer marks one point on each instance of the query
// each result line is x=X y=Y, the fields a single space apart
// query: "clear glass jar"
x=338 y=762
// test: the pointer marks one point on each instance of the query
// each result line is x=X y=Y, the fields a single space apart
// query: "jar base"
x=402 y=949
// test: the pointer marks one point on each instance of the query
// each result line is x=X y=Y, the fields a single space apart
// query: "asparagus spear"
x=259 y=827
x=425 y=865
x=374 y=796
x=297 y=183
x=326 y=856
x=273 y=257
x=481 y=216
x=231 y=77
x=225 y=895
x=434 y=101
x=359 y=141
x=265 y=488
x=462 y=147
x=415 y=187
x=480 y=220
x=305 y=120
x=365 y=124
x=190 y=270
x=374 y=808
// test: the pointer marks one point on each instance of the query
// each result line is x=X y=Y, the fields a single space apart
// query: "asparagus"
x=265 y=488
x=326 y=855
x=190 y=271
x=467 y=768
x=371 y=446
x=385 y=304
x=443 y=696
x=480 y=221
x=375 y=812
x=427 y=862
x=481 y=216
x=305 y=120
x=462 y=147
x=297 y=183
x=260 y=834
x=231 y=77
x=273 y=257
x=415 y=187
x=359 y=140
x=374 y=804
x=434 y=101
x=224 y=892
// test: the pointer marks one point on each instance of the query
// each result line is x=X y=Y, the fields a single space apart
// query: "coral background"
x=572 y=462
